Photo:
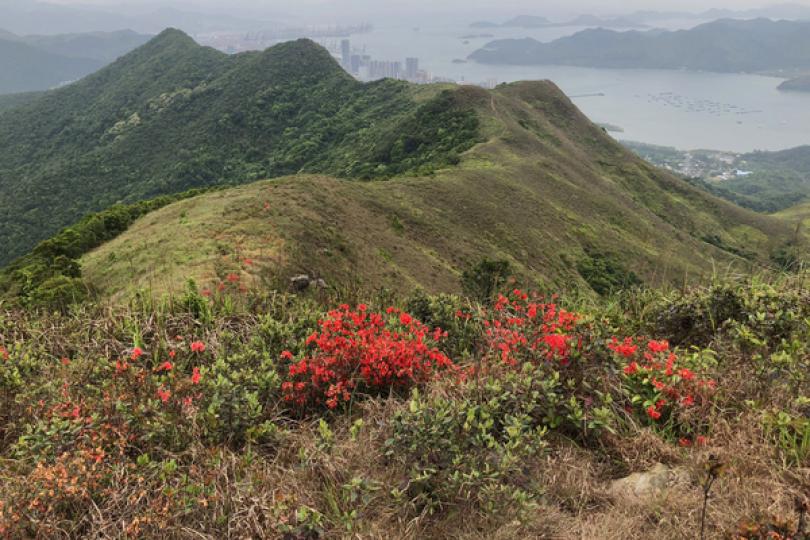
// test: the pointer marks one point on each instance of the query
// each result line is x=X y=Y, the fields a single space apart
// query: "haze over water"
x=687 y=110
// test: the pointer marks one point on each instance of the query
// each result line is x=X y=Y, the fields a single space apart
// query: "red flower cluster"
x=3 y=354
x=654 y=376
x=523 y=329
x=361 y=350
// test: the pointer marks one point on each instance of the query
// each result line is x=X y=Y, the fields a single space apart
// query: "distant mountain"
x=776 y=12
x=779 y=11
x=799 y=84
x=531 y=21
x=25 y=68
x=102 y=46
x=30 y=63
x=724 y=46
x=37 y=17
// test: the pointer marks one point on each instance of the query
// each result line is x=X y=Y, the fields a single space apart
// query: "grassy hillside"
x=799 y=214
x=172 y=116
x=549 y=192
x=725 y=46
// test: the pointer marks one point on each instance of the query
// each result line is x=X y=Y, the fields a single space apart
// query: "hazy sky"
x=463 y=7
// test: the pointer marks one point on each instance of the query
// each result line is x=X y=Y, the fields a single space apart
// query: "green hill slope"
x=797 y=215
x=549 y=192
x=172 y=115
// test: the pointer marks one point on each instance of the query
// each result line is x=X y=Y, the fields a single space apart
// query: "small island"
x=799 y=84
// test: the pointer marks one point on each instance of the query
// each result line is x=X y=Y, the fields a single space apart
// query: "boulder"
x=300 y=283
x=643 y=486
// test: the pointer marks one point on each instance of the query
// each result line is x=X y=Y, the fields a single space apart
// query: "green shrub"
x=468 y=449
x=479 y=444
x=484 y=279
x=605 y=274
x=791 y=432
x=447 y=312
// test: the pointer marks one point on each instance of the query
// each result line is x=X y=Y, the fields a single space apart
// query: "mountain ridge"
x=724 y=45
x=517 y=173
x=547 y=191
x=172 y=116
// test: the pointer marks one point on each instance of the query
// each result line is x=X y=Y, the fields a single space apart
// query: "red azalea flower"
x=652 y=413
x=658 y=346
x=626 y=348
x=165 y=366
x=686 y=374
x=137 y=352
x=195 y=376
x=197 y=347
x=164 y=394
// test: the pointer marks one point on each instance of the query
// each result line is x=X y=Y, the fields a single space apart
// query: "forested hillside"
x=172 y=116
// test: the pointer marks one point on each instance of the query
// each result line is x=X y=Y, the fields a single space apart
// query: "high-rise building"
x=411 y=68
x=356 y=62
x=381 y=69
x=346 y=53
